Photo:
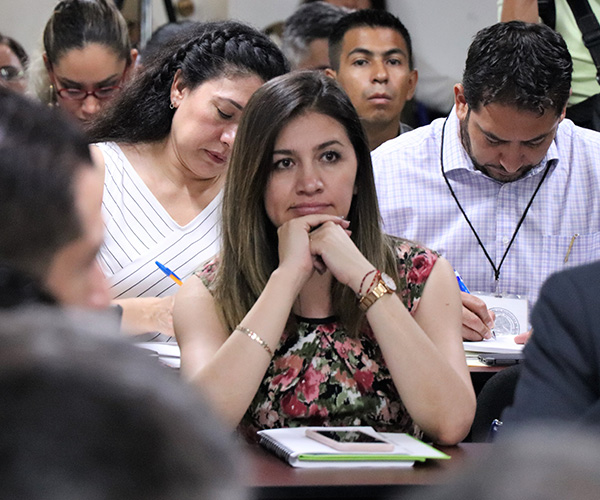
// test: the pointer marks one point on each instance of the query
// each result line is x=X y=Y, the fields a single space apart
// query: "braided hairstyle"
x=141 y=113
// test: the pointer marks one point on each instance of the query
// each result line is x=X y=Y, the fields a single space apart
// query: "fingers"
x=474 y=334
x=477 y=320
x=315 y=221
x=329 y=237
x=310 y=236
x=522 y=338
x=316 y=237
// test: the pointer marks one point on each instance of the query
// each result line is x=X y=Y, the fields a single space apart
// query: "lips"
x=380 y=97
x=216 y=157
x=310 y=208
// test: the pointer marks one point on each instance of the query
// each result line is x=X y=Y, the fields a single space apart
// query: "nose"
x=380 y=73
x=90 y=105
x=309 y=180
x=228 y=134
x=512 y=158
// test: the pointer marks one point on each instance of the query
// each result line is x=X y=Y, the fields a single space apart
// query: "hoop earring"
x=171 y=106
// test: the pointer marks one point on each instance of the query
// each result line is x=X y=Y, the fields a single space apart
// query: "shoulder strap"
x=547 y=12
x=590 y=29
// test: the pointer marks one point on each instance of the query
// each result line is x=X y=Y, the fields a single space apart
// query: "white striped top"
x=139 y=231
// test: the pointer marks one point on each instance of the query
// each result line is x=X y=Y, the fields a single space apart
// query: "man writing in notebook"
x=505 y=188
x=50 y=197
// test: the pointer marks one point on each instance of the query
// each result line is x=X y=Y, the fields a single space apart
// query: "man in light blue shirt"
x=504 y=188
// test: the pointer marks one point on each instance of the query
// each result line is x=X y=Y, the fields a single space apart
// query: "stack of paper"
x=293 y=446
x=168 y=352
x=500 y=345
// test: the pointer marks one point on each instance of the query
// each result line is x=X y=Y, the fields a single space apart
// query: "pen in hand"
x=169 y=273
x=463 y=288
x=461 y=283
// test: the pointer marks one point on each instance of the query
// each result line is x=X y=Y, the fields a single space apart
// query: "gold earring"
x=52 y=95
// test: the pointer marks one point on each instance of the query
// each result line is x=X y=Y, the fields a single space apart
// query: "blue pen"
x=169 y=273
x=461 y=283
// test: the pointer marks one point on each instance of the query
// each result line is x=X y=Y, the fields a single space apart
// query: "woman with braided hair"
x=165 y=143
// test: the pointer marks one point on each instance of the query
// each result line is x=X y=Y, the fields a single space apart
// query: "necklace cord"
x=522 y=219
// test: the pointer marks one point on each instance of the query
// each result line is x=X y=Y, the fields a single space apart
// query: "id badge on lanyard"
x=511 y=313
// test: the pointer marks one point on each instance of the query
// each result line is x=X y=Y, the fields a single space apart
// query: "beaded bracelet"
x=254 y=336
x=377 y=272
x=375 y=278
x=362 y=282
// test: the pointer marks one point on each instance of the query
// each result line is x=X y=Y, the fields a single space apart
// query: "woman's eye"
x=331 y=156
x=223 y=115
x=283 y=163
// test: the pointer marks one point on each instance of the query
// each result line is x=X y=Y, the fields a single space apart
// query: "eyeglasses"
x=80 y=94
x=100 y=93
x=10 y=73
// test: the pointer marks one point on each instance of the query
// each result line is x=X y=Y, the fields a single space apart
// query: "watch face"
x=389 y=282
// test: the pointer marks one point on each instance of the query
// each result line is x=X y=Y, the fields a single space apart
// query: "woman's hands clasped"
x=320 y=242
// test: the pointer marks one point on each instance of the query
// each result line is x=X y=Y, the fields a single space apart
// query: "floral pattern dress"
x=321 y=376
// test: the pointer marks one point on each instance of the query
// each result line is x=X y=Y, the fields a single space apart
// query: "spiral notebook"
x=293 y=446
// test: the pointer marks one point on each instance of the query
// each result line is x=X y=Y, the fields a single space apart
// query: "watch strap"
x=378 y=291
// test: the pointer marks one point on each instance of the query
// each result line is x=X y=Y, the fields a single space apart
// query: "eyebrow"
x=496 y=138
x=316 y=148
x=231 y=101
x=71 y=83
x=367 y=52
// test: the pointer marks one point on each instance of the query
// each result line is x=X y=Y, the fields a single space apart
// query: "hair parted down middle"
x=249 y=251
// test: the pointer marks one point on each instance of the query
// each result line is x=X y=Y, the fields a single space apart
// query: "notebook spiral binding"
x=278 y=449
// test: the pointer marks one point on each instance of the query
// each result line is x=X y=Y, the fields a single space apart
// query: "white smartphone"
x=350 y=440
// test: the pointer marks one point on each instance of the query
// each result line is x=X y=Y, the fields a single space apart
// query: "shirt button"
x=505 y=240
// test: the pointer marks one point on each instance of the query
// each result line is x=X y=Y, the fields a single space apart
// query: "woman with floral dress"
x=310 y=314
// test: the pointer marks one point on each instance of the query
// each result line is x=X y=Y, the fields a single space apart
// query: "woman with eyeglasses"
x=165 y=143
x=87 y=56
x=13 y=64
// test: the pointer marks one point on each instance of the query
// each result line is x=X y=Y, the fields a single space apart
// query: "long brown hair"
x=249 y=252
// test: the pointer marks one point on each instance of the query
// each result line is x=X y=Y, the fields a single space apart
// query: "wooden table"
x=271 y=478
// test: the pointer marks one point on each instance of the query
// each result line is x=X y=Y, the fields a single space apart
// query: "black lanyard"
x=487 y=255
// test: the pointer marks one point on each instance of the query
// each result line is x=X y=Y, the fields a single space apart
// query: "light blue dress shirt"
x=416 y=203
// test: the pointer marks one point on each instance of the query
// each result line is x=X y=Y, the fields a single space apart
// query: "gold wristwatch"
x=385 y=285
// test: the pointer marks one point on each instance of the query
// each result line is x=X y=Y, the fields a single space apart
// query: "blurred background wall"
x=441 y=29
